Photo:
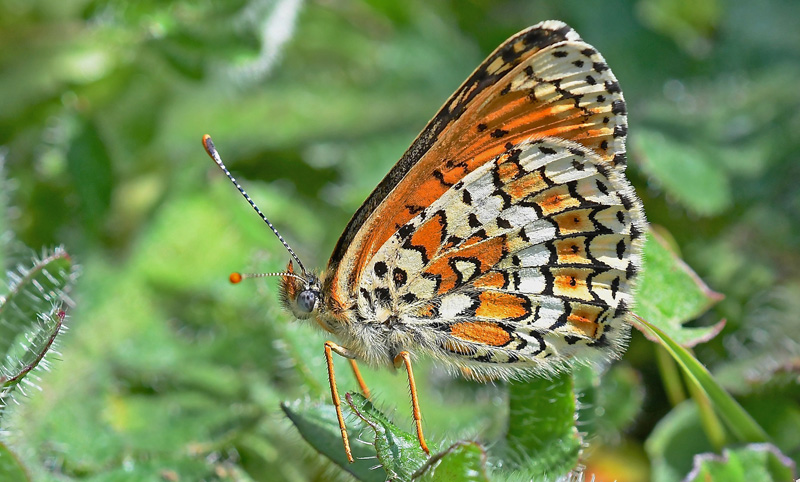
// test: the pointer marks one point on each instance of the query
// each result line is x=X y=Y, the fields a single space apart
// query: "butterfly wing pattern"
x=507 y=239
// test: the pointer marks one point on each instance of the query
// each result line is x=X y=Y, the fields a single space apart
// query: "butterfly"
x=505 y=242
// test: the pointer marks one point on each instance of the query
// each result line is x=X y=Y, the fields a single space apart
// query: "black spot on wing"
x=498 y=133
x=630 y=271
x=576 y=151
x=612 y=87
x=405 y=231
x=618 y=107
x=615 y=287
x=466 y=197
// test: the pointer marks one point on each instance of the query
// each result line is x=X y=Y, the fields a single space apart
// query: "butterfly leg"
x=359 y=379
x=405 y=358
x=331 y=347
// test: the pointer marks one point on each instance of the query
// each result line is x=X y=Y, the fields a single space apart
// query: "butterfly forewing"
x=543 y=82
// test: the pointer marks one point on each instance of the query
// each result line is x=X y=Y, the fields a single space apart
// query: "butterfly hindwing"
x=530 y=256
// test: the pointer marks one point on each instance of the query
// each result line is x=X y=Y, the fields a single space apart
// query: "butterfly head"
x=301 y=294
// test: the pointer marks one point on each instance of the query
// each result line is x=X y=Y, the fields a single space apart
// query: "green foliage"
x=170 y=372
x=33 y=304
x=31 y=317
x=670 y=294
x=753 y=462
x=317 y=424
x=741 y=424
x=462 y=462
x=398 y=452
x=542 y=437
x=10 y=466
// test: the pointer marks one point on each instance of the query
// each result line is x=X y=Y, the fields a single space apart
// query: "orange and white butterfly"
x=504 y=243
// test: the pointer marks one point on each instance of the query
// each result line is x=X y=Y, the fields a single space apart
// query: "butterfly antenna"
x=239 y=277
x=208 y=144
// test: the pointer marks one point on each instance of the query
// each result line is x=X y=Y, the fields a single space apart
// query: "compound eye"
x=307 y=300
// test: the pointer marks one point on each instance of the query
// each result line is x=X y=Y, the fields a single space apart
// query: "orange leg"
x=405 y=358
x=357 y=373
x=337 y=403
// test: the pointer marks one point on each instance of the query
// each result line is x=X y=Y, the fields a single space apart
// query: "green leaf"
x=462 y=462
x=740 y=423
x=11 y=468
x=397 y=450
x=542 y=437
x=685 y=173
x=33 y=291
x=763 y=462
x=31 y=316
x=670 y=294
x=317 y=423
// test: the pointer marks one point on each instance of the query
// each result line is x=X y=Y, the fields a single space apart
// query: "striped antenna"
x=239 y=277
x=208 y=144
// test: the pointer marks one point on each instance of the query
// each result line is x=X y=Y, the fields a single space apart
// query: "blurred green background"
x=168 y=370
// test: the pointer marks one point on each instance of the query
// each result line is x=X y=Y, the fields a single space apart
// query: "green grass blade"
x=740 y=423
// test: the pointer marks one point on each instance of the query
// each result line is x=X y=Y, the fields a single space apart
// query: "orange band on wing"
x=501 y=306
x=583 y=319
x=572 y=283
x=490 y=280
x=483 y=332
x=429 y=236
x=487 y=253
